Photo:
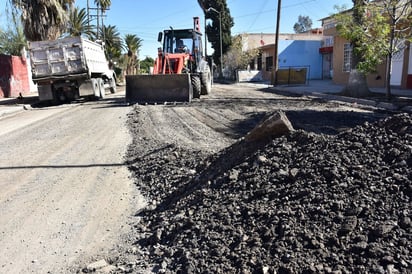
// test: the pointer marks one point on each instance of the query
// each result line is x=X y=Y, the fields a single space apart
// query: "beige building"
x=337 y=54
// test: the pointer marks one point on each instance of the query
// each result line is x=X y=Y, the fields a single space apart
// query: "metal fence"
x=292 y=75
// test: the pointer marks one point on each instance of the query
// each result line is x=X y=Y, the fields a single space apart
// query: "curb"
x=360 y=101
x=7 y=110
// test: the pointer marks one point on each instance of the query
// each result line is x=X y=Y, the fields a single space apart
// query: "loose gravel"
x=302 y=203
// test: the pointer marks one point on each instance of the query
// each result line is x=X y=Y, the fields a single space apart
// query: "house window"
x=259 y=62
x=347 y=57
x=269 y=63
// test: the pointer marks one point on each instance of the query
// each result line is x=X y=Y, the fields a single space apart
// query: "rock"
x=97 y=265
x=274 y=126
x=299 y=203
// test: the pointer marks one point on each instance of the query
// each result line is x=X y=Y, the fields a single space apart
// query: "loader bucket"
x=158 y=88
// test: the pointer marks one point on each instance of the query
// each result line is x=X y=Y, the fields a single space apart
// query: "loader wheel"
x=206 y=81
x=196 y=85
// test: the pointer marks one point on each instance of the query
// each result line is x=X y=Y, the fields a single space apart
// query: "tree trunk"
x=389 y=59
x=357 y=85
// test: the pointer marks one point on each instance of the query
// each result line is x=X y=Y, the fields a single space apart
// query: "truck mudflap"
x=158 y=88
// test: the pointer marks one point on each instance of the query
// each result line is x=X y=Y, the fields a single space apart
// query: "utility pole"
x=275 y=58
x=98 y=9
x=220 y=34
x=88 y=15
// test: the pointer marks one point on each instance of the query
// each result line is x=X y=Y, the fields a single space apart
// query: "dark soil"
x=334 y=196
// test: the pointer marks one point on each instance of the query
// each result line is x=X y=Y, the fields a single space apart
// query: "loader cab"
x=182 y=41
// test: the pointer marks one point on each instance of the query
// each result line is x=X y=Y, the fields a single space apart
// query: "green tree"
x=79 y=24
x=236 y=58
x=112 y=41
x=12 y=39
x=213 y=30
x=400 y=25
x=304 y=24
x=132 y=45
x=145 y=64
x=376 y=31
x=43 y=19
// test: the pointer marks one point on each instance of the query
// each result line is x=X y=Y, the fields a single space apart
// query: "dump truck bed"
x=66 y=57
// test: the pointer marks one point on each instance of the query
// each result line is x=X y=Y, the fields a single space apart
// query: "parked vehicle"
x=180 y=71
x=69 y=68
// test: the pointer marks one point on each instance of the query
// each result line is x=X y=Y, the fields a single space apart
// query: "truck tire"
x=196 y=85
x=206 y=79
x=95 y=88
x=112 y=85
x=102 y=92
x=56 y=97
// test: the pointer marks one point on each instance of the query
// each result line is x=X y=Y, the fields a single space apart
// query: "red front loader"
x=180 y=71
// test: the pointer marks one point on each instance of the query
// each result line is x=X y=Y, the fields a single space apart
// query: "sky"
x=145 y=18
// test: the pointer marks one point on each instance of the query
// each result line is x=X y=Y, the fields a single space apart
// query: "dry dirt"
x=66 y=194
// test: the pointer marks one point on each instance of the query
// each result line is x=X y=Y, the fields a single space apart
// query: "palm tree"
x=12 y=41
x=79 y=24
x=113 y=42
x=103 y=4
x=132 y=45
x=43 y=19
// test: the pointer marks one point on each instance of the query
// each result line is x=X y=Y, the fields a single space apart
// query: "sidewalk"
x=326 y=89
x=13 y=105
x=327 y=86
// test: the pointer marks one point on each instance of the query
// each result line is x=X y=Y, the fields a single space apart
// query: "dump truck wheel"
x=196 y=85
x=95 y=88
x=113 y=85
x=56 y=97
x=100 y=84
x=206 y=78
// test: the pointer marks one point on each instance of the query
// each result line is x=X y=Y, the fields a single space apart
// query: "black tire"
x=206 y=79
x=56 y=97
x=102 y=91
x=95 y=88
x=113 y=85
x=196 y=85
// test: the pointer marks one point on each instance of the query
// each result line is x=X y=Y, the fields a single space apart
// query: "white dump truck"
x=69 y=68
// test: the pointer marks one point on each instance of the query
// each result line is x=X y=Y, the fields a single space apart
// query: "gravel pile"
x=302 y=203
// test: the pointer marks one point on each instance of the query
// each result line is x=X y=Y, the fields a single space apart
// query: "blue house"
x=294 y=56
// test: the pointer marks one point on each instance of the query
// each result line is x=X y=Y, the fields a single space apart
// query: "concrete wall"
x=301 y=54
x=257 y=40
x=14 y=78
x=295 y=54
x=341 y=77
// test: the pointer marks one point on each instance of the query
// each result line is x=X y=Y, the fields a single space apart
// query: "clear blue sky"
x=146 y=18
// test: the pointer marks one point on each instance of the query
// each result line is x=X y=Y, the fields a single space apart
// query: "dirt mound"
x=302 y=203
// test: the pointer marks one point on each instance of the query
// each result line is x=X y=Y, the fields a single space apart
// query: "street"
x=65 y=193
x=175 y=187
